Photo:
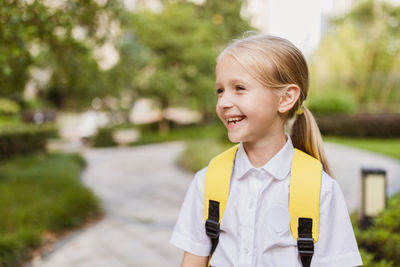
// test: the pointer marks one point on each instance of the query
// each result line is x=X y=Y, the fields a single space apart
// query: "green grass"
x=388 y=146
x=40 y=193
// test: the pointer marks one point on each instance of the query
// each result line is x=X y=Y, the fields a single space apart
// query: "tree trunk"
x=163 y=125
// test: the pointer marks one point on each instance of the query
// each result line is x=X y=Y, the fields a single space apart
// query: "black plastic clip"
x=212 y=228
x=305 y=246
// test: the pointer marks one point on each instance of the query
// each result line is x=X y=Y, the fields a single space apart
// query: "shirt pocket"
x=278 y=225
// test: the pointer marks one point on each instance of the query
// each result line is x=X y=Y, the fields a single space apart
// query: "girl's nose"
x=225 y=101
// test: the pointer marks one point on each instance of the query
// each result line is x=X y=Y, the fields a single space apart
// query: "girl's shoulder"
x=201 y=174
x=198 y=180
x=330 y=189
x=326 y=181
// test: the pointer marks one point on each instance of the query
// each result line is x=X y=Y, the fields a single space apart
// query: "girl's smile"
x=233 y=121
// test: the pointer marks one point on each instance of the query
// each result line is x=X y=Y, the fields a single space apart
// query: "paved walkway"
x=346 y=163
x=142 y=190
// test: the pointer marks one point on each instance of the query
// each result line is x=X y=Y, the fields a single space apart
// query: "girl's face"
x=248 y=109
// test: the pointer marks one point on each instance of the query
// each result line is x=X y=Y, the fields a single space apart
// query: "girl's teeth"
x=234 y=120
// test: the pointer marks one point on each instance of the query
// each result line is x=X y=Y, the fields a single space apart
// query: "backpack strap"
x=216 y=192
x=304 y=195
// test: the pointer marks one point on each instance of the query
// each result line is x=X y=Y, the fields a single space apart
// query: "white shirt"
x=255 y=229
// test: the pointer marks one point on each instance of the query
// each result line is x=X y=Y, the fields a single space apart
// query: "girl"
x=261 y=83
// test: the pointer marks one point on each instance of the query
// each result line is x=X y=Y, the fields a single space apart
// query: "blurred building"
x=302 y=22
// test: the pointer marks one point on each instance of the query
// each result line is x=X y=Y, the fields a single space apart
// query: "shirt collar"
x=278 y=166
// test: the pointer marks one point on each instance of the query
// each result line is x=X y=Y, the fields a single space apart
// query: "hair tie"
x=300 y=111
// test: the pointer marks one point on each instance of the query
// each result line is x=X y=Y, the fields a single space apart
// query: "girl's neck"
x=262 y=151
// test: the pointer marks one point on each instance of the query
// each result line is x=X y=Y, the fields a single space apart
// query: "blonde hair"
x=277 y=63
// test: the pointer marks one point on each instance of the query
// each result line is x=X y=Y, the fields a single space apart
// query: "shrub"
x=38 y=194
x=368 y=260
x=23 y=138
x=8 y=107
x=362 y=125
x=333 y=102
x=382 y=239
x=104 y=137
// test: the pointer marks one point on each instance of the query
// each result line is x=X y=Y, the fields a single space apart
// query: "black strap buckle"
x=305 y=246
x=212 y=228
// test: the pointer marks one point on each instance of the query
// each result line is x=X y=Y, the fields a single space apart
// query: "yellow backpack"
x=304 y=194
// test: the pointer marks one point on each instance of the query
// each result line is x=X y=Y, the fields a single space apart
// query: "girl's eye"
x=220 y=90
x=240 y=88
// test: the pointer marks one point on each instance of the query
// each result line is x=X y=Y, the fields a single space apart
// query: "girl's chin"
x=234 y=138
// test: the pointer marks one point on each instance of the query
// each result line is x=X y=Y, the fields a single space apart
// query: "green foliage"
x=167 y=55
x=104 y=137
x=75 y=79
x=23 y=138
x=181 y=54
x=368 y=260
x=39 y=194
x=332 y=102
x=34 y=104
x=40 y=35
x=198 y=153
x=8 y=107
x=361 y=52
x=382 y=239
x=79 y=159
x=227 y=20
x=183 y=42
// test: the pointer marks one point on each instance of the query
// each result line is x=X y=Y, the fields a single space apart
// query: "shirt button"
x=246 y=250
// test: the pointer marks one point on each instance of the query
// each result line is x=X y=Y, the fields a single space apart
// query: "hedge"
x=23 y=138
x=333 y=102
x=103 y=137
x=382 y=239
x=360 y=125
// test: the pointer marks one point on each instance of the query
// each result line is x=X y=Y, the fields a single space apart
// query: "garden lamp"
x=373 y=195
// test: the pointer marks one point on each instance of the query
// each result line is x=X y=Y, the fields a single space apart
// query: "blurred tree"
x=181 y=53
x=126 y=74
x=226 y=16
x=184 y=40
x=227 y=24
x=362 y=55
x=75 y=78
x=57 y=36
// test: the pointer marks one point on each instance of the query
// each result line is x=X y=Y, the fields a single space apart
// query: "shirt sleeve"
x=189 y=232
x=337 y=244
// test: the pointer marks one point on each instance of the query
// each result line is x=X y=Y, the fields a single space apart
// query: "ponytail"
x=307 y=137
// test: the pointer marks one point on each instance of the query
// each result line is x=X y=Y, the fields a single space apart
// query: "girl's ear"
x=288 y=98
